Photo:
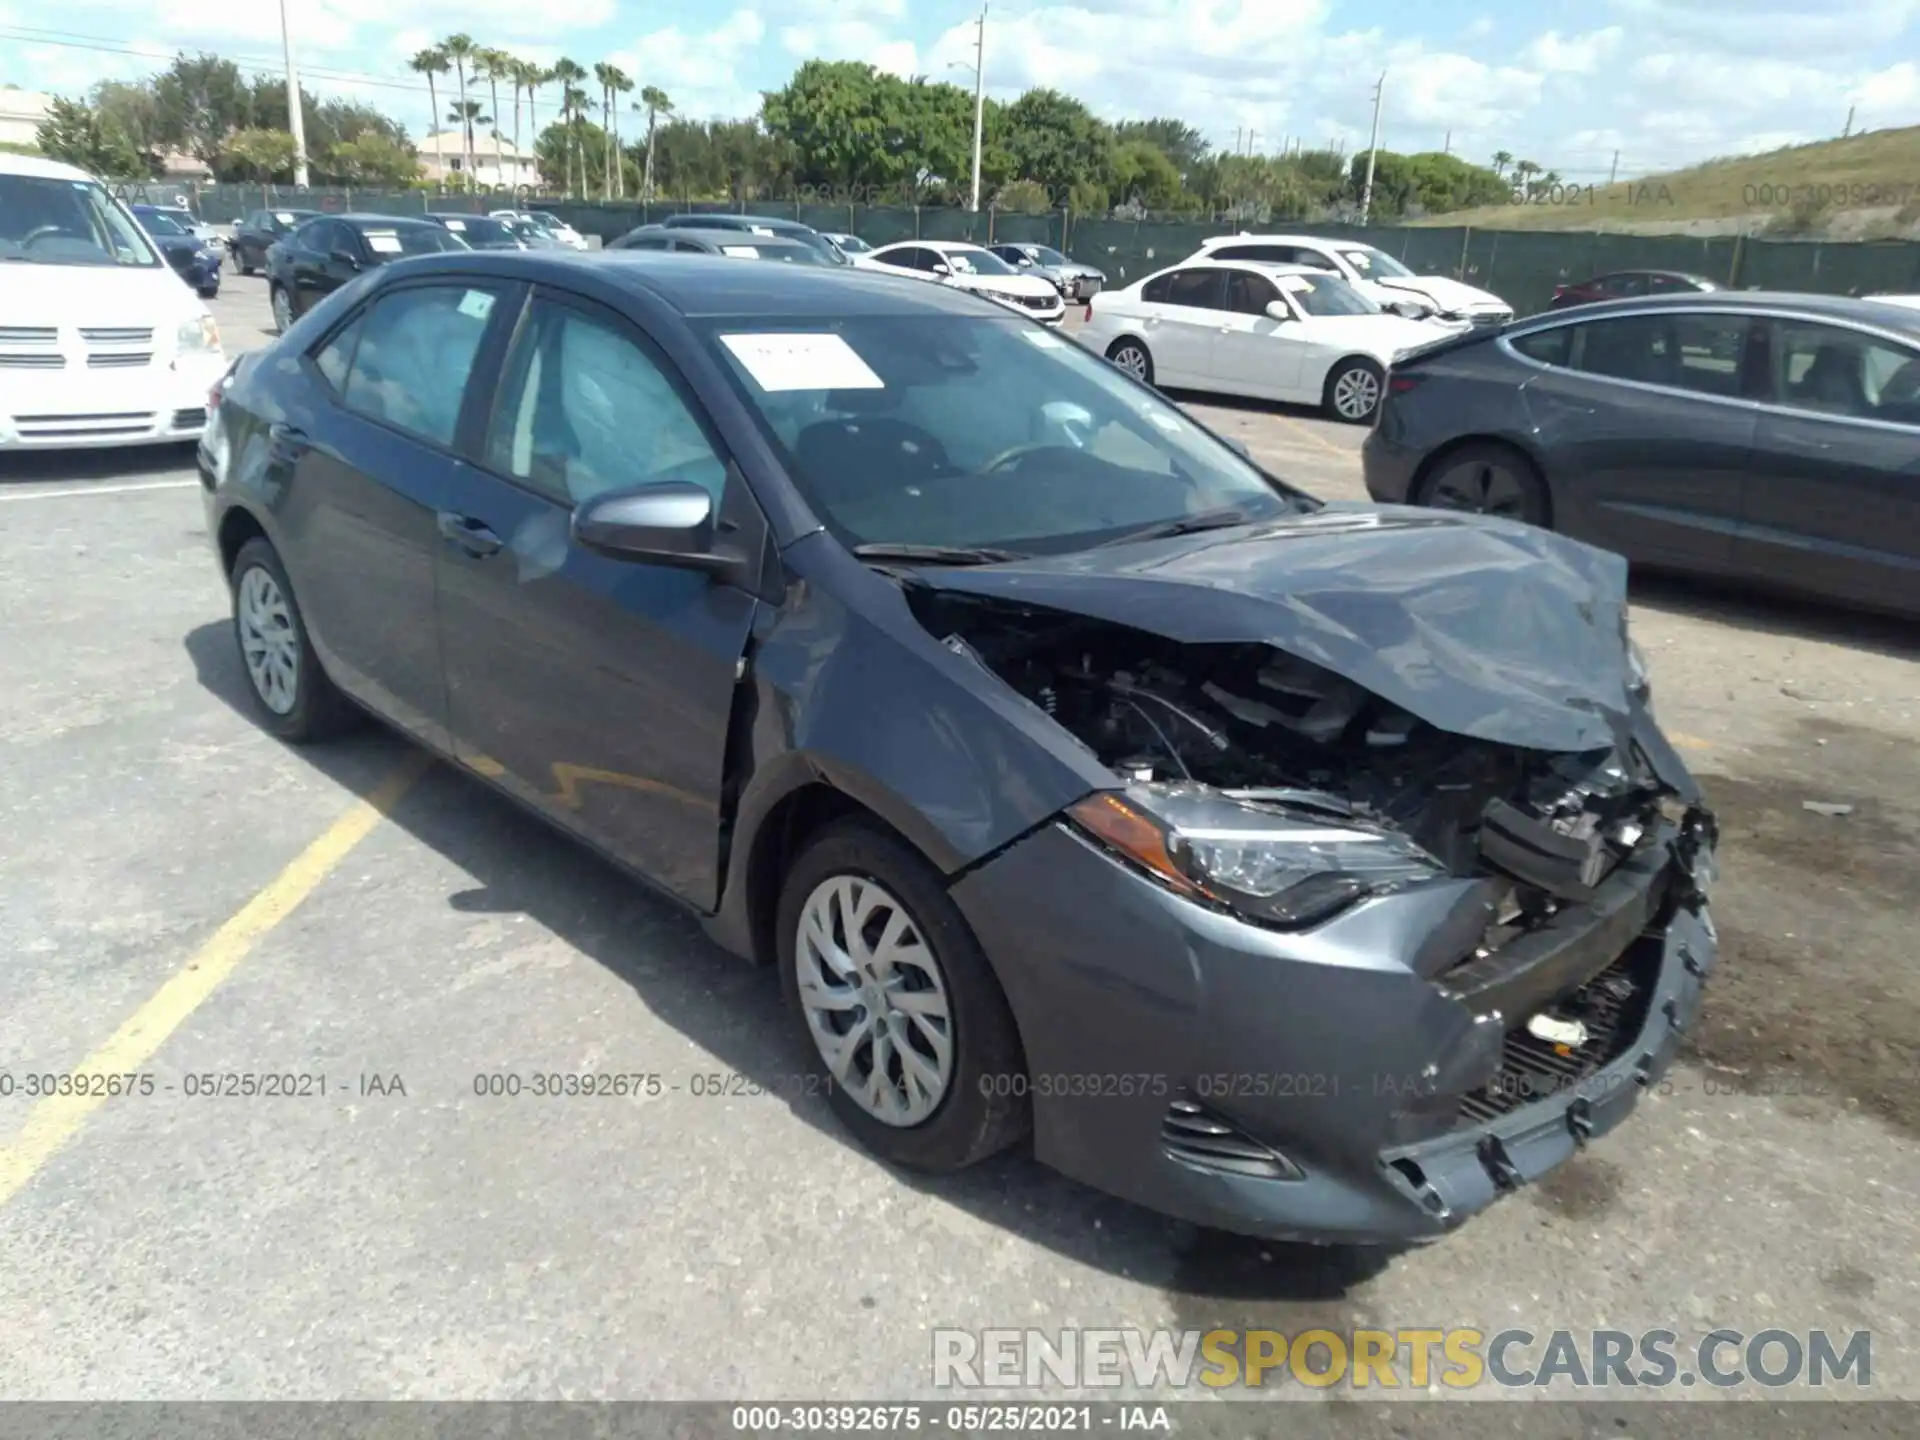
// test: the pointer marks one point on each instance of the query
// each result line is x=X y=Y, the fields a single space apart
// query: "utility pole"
x=1447 y=147
x=295 y=120
x=1373 y=149
x=1849 y=130
x=1239 y=137
x=979 y=100
x=1613 y=169
x=1250 y=138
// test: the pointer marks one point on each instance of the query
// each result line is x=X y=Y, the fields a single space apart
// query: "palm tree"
x=494 y=65
x=1501 y=159
x=567 y=74
x=604 y=73
x=467 y=115
x=430 y=62
x=613 y=81
x=579 y=102
x=655 y=102
x=521 y=76
x=460 y=49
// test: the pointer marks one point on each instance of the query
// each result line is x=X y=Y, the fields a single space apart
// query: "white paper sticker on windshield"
x=1296 y=284
x=386 y=242
x=283 y=217
x=1163 y=420
x=740 y=252
x=759 y=230
x=1044 y=339
x=456 y=224
x=476 y=303
x=802 y=362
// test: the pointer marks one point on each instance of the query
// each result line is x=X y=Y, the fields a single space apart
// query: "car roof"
x=354 y=217
x=41 y=168
x=1828 y=307
x=1213 y=241
x=707 y=286
x=1265 y=267
x=722 y=237
x=731 y=222
x=1666 y=274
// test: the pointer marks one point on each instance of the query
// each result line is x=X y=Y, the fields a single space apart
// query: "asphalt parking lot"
x=182 y=896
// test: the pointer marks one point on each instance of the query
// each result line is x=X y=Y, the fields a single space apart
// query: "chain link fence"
x=1521 y=266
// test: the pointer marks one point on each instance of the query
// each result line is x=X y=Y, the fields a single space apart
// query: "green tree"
x=199 y=100
x=75 y=134
x=430 y=62
x=258 y=154
x=468 y=115
x=1056 y=140
x=130 y=107
x=614 y=82
x=493 y=66
x=656 y=103
x=372 y=159
x=567 y=74
x=1144 y=173
x=461 y=50
x=1184 y=146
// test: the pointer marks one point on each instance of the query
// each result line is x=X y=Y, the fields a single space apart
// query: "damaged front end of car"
x=1439 y=962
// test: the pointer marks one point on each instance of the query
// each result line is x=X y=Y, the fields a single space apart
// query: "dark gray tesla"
x=1767 y=438
x=1300 y=869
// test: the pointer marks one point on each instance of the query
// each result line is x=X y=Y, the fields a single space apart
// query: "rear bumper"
x=1330 y=1092
x=1386 y=464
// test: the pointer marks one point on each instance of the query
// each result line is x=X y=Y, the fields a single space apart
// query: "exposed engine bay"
x=1260 y=724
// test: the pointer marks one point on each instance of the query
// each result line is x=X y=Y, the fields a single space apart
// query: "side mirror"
x=671 y=523
x=1238 y=446
x=1026 y=262
x=1277 y=310
x=345 y=256
x=943 y=270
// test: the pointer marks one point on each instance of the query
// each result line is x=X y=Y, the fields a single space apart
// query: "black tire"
x=277 y=292
x=241 y=263
x=319 y=711
x=1125 y=343
x=984 y=1108
x=1353 y=373
x=1487 y=478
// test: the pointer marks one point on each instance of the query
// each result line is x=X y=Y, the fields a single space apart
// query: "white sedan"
x=975 y=268
x=1370 y=270
x=1270 y=332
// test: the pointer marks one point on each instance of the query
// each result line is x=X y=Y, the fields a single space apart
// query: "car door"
x=1834 y=499
x=1647 y=424
x=306 y=251
x=346 y=256
x=370 y=470
x=1180 y=328
x=598 y=690
x=1252 y=353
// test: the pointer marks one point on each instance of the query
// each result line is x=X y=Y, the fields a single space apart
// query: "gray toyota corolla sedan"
x=1303 y=870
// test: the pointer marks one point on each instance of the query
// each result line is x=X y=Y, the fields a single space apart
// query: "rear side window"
x=1549 y=347
x=1154 y=292
x=415 y=354
x=1199 y=289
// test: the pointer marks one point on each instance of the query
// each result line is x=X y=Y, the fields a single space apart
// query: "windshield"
x=552 y=222
x=281 y=221
x=528 y=230
x=157 y=224
x=976 y=262
x=934 y=430
x=411 y=240
x=480 y=230
x=1371 y=264
x=48 y=221
x=1042 y=255
x=853 y=245
x=1326 y=295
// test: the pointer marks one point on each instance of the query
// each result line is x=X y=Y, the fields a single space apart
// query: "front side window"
x=415 y=354
x=976 y=262
x=48 y=221
x=586 y=408
x=1835 y=371
x=1250 y=294
x=971 y=432
x=1701 y=353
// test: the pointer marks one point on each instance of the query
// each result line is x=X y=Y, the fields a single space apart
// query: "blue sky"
x=1663 y=82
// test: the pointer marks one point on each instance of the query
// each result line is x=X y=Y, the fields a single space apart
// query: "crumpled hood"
x=1381 y=336
x=1447 y=293
x=1485 y=628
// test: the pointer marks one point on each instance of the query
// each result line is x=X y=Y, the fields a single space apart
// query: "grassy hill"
x=1864 y=187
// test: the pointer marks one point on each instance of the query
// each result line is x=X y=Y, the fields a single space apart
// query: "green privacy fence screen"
x=1521 y=266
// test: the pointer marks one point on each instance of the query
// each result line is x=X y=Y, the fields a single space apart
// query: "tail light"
x=1401 y=384
x=1558 y=291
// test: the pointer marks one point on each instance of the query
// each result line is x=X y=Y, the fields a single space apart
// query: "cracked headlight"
x=1270 y=862
x=198 y=336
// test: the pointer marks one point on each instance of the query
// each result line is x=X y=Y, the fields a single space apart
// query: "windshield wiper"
x=936 y=554
x=1185 y=525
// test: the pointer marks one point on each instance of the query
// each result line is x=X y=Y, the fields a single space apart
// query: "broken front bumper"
x=1348 y=1083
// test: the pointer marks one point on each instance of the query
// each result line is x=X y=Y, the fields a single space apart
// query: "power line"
x=69 y=41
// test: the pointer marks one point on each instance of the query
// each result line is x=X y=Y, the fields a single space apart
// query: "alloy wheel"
x=875 y=1000
x=1356 y=393
x=282 y=310
x=1481 y=487
x=1133 y=360
x=268 y=641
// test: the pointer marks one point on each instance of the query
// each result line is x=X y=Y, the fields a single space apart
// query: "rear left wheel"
x=1131 y=356
x=1487 y=478
x=283 y=316
x=902 y=1013
x=293 y=697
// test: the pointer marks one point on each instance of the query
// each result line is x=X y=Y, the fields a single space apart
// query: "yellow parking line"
x=58 y=1118
x=1320 y=440
x=1688 y=742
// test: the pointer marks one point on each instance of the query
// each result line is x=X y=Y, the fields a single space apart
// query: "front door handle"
x=469 y=534
x=288 y=440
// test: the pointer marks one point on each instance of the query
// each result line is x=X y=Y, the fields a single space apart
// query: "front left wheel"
x=905 y=1020
x=292 y=696
x=1353 y=391
x=283 y=312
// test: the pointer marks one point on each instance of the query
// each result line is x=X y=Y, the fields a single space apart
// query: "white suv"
x=1371 y=271
x=101 y=342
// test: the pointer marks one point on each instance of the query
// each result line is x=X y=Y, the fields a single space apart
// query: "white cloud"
x=1573 y=55
x=852 y=39
x=700 y=72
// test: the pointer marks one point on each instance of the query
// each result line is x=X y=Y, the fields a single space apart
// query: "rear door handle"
x=469 y=534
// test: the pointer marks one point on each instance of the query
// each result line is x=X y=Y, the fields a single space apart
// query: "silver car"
x=1073 y=280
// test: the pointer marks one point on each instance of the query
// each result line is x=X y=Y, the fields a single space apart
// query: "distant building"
x=442 y=160
x=21 y=112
